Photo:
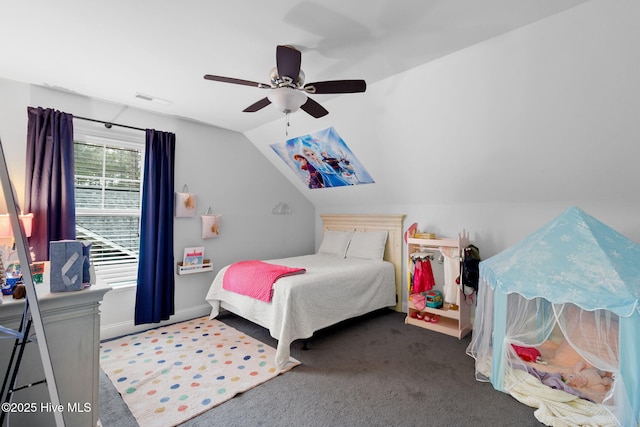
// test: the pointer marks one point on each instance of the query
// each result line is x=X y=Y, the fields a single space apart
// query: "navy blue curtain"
x=156 y=287
x=49 y=187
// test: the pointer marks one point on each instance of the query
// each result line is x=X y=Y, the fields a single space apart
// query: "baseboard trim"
x=115 y=330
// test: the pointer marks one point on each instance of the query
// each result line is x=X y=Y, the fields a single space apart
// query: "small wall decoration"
x=322 y=160
x=185 y=203
x=281 y=209
x=210 y=224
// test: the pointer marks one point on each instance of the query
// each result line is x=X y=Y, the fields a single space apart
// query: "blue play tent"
x=576 y=275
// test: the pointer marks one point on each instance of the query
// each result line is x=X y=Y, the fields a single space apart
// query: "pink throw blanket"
x=255 y=278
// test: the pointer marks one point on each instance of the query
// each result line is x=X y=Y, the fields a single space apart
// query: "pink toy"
x=528 y=354
x=419 y=301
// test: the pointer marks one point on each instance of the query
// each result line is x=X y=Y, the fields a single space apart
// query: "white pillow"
x=335 y=243
x=367 y=245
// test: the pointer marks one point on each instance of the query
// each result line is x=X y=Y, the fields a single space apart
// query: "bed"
x=356 y=270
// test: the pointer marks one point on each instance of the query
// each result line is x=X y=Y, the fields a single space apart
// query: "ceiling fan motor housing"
x=277 y=81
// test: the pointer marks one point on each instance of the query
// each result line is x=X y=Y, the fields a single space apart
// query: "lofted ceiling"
x=159 y=48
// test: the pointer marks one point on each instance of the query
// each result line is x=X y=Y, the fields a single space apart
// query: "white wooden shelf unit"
x=181 y=270
x=454 y=322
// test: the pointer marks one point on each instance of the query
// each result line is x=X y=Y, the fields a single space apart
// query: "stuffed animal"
x=587 y=377
x=19 y=291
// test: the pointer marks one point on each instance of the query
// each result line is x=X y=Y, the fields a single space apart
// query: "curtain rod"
x=108 y=124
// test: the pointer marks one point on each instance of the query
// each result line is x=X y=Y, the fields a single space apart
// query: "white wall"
x=501 y=137
x=221 y=167
x=13 y=127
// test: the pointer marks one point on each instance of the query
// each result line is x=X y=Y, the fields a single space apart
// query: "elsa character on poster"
x=327 y=155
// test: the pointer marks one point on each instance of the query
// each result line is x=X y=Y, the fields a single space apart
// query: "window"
x=108 y=186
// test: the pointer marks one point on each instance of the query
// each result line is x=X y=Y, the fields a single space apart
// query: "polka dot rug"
x=172 y=373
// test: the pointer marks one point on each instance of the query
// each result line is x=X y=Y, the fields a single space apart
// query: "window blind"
x=108 y=178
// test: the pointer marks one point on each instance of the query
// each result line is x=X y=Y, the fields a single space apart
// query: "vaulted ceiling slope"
x=544 y=113
x=128 y=52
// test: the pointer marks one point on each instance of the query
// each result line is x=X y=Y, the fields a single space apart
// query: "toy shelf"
x=445 y=311
x=434 y=243
x=453 y=322
x=444 y=326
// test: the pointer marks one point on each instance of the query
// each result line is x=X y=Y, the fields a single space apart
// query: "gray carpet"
x=369 y=371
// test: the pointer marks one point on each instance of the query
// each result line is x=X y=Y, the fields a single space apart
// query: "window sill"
x=122 y=288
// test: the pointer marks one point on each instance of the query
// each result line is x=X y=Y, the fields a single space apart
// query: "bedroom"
x=509 y=132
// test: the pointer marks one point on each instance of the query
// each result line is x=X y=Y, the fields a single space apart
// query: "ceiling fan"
x=287 y=90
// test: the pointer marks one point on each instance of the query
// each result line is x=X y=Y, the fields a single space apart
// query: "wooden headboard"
x=390 y=223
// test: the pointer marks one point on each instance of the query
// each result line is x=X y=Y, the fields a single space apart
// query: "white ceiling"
x=112 y=50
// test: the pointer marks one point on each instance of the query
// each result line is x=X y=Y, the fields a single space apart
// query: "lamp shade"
x=5 y=225
x=287 y=99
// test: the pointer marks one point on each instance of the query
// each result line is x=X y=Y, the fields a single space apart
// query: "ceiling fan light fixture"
x=286 y=99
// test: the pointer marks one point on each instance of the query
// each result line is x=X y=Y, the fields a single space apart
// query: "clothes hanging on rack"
x=451 y=269
x=423 y=279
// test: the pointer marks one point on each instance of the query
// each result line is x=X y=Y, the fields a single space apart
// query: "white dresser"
x=72 y=325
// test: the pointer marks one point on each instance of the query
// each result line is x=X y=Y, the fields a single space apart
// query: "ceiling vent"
x=152 y=99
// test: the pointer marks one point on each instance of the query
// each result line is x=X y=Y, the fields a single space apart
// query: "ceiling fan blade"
x=336 y=86
x=288 y=62
x=313 y=108
x=236 y=81
x=257 y=105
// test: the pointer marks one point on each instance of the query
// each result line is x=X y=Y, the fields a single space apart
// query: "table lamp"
x=7 y=244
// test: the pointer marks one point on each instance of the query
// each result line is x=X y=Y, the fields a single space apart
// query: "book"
x=193 y=256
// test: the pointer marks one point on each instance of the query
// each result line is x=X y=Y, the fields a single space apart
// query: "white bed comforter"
x=332 y=290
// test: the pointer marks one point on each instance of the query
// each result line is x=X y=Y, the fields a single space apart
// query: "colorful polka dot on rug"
x=170 y=353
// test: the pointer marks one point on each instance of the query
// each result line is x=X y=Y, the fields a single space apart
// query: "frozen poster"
x=322 y=160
